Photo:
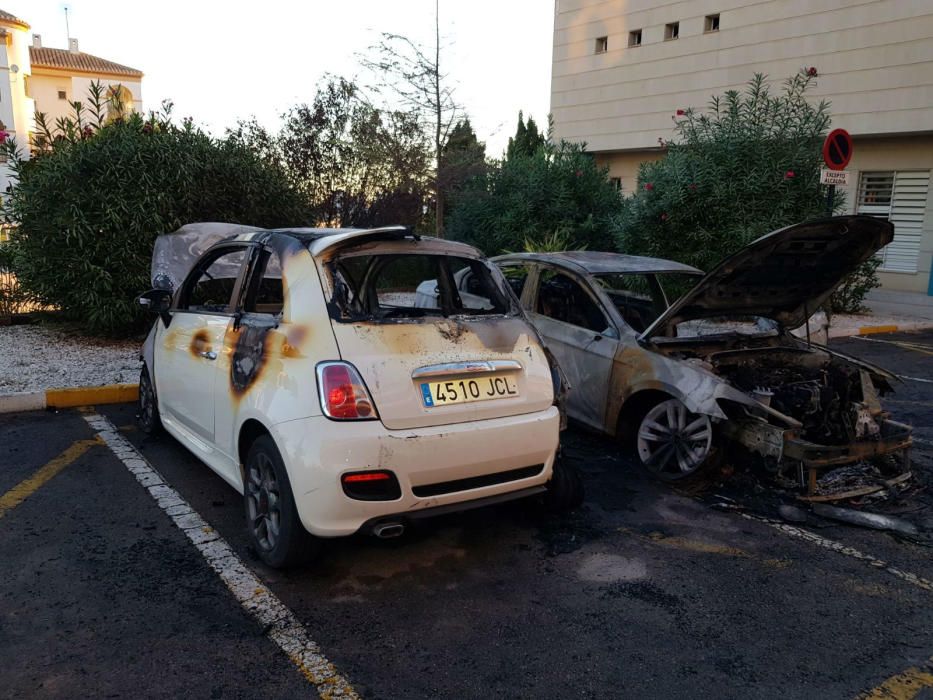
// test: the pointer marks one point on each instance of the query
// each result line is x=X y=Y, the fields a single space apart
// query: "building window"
x=634 y=38
x=62 y=95
x=671 y=31
x=616 y=182
x=711 y=24
x=119 y=102
x=602 y=44
x=901 y=198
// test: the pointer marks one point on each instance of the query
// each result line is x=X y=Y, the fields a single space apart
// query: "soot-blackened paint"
x=249 y=356
x=200 y=342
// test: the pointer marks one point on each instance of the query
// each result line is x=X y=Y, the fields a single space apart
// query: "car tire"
x=272 y=521
x=673 y=443
x=565 y=489
x=147 y=417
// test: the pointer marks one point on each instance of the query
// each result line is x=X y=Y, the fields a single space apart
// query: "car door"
x=580 y=335
x=187 y=350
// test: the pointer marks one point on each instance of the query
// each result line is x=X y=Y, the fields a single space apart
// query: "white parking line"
x=821 y=541
x=280 y=624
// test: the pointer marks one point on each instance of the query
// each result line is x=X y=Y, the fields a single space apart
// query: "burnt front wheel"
x=147 y=415
x=272 y=519
x=674 y=443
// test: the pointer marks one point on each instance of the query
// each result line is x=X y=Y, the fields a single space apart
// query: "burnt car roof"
x=600 y=263
x=175 y=253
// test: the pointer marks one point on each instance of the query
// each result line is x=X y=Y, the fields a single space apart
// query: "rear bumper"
x=317 y=451
x=424 y=513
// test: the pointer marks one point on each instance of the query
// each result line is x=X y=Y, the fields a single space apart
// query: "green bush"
x=850 y=296
x=89 y=204
x=557 y=189
x=12 y=297
x=747 y=166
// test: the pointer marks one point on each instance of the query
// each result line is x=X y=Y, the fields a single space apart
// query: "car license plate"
x=446 y=392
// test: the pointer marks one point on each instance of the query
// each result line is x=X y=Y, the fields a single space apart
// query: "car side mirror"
x=157 y=301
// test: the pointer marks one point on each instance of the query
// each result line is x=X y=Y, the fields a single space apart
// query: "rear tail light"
x=343 y=394
x=378 y=485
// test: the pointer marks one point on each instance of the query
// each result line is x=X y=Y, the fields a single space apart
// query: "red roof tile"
x=12 y=19
x=63 y=59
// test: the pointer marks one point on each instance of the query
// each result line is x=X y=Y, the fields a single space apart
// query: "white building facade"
x=623 y=68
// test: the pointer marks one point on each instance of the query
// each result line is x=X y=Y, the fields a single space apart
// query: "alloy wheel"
x=146 y=400
x=263 y=502
x=673 y=442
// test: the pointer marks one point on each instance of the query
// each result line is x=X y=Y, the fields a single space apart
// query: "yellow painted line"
x=30 y=485
x=86 y=396
x=870 y=330
x=688 y=545
x=699 y=546
x=903 y=686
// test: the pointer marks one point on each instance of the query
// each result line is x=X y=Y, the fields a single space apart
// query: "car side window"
x=563 y=299
x=266 y=294
x=516 y=276
x=210 y=286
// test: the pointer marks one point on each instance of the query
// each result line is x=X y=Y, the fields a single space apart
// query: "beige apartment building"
x=623 y=68
x=36 y=78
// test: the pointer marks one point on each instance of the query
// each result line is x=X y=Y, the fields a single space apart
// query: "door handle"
x=208 y=354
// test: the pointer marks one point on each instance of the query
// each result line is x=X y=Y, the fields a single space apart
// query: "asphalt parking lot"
x=643 y=592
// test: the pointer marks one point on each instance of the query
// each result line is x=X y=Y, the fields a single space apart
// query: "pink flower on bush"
x=4 y=136
x=649 y=186
x=579 y=173
x=664 y=216
x=789 y=175
x=88 y=132
x=147 y=128
x=812 y=72
x=692 y=187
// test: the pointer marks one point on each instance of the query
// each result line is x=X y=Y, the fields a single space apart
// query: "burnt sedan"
x=677 y=380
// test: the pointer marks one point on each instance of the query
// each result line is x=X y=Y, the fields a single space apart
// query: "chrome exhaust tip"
x=386 y=531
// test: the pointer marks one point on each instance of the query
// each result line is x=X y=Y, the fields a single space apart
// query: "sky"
x=224 y=61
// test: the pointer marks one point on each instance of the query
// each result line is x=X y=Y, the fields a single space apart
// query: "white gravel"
x=33 y=358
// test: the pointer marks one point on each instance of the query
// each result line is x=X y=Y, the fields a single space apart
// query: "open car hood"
x=785 y=275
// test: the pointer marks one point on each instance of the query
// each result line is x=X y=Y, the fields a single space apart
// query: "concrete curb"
x=871 y=330
x=68 y=398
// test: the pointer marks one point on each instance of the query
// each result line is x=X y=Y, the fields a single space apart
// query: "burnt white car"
x=301 y=367
x=677 y=379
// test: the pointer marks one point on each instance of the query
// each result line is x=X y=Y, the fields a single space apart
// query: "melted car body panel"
x=774 y=393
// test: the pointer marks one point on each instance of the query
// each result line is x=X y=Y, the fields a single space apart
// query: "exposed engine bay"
x=811 y=409
x=836 y=402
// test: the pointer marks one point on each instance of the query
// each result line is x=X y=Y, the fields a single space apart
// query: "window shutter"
x=907 y=208
x=901 y=198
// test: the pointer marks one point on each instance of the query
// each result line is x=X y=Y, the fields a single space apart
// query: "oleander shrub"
x=88 y=204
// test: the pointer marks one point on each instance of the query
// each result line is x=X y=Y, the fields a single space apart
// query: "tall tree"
x=527 y=139
x=463 y=158
x=357 y=165
x=412 y=73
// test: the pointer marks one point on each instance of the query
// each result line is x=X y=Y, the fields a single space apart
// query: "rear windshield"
x=388 y=286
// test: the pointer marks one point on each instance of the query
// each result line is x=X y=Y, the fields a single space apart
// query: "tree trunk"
x=439 y=196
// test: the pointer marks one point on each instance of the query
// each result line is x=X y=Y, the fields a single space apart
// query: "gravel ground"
x=39 y=357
